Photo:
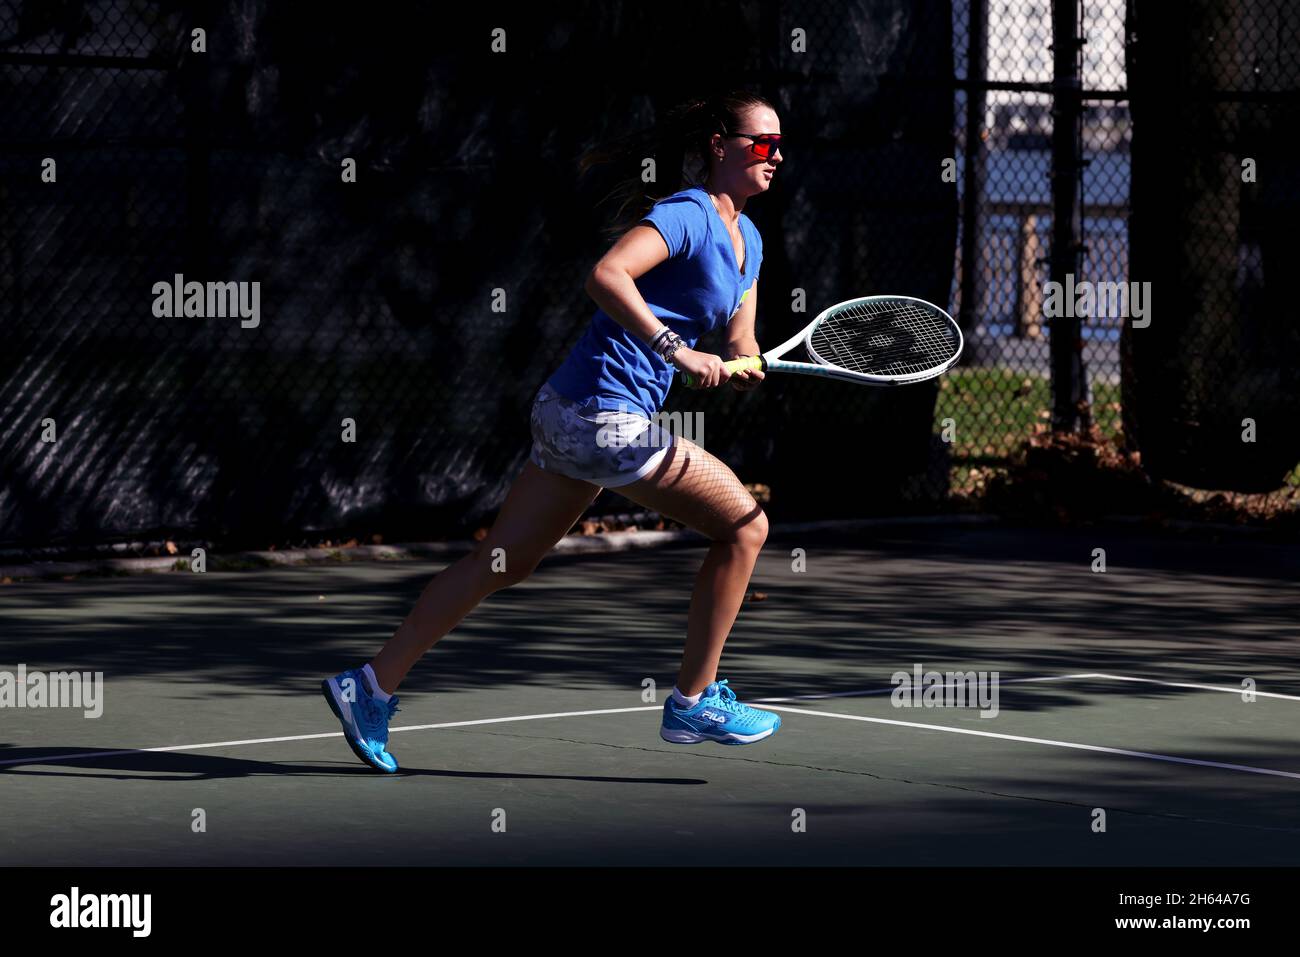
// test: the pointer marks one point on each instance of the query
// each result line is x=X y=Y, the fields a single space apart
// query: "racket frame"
x=771 y=360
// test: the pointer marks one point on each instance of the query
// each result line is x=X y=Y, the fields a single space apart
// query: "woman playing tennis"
x=688 y=266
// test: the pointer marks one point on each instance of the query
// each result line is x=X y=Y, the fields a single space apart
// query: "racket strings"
x=895 y=337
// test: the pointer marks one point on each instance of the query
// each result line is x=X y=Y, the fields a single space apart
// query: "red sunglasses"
x=764 y=145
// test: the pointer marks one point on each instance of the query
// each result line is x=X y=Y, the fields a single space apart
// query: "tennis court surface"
x=525 y=737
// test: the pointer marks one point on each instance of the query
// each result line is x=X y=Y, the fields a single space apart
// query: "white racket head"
x=885 y=340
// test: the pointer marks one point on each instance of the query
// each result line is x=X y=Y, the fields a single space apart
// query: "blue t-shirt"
x=696 y=290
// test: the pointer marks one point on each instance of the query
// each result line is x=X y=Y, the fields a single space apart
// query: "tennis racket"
x=874 y=340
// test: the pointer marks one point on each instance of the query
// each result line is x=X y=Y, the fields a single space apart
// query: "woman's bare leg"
x=700 y=491
x=540 y=508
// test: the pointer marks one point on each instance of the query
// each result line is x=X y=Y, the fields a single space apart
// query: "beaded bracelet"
x=666 y=343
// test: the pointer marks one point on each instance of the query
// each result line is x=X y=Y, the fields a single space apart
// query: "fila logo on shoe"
x=713 y=716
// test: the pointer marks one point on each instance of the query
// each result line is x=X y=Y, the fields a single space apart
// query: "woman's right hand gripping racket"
x=874 y=340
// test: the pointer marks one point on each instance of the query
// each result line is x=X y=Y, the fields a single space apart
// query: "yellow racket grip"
x=733 y=366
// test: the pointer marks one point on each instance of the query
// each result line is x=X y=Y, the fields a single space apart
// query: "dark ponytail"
x=679 y=145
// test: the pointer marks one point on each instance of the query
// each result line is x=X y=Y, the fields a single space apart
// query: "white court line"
x=53 y=759
x=891 y=690
x=310 y=737
x=433 y=727
x=1056 y=744
x=1185 y=684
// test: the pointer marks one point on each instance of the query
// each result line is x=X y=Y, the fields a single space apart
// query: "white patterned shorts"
x=603 y=447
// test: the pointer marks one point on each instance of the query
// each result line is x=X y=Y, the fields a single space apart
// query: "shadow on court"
x=1135 y=747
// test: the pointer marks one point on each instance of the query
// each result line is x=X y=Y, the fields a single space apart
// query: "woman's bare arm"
x=612 y=284
x=740 y=330
x=612 y=281
x=742 y=342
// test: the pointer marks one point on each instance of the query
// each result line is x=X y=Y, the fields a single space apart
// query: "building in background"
x=1019 y=51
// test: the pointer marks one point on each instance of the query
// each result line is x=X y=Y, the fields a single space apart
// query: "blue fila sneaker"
x=717 y=716
x=364 y=719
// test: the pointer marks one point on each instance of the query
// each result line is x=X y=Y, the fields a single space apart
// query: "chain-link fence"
x=408 y=314
x=1212 y=392
x=1019 y=142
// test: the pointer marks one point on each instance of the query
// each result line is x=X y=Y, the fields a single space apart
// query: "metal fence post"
x=193 y=73
x=1068 y=384
x=972 y=272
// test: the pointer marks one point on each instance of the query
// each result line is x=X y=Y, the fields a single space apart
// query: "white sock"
x=686 y=700
x=378 y=693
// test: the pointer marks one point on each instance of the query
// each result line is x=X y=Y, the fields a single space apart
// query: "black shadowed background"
x=426 y=302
